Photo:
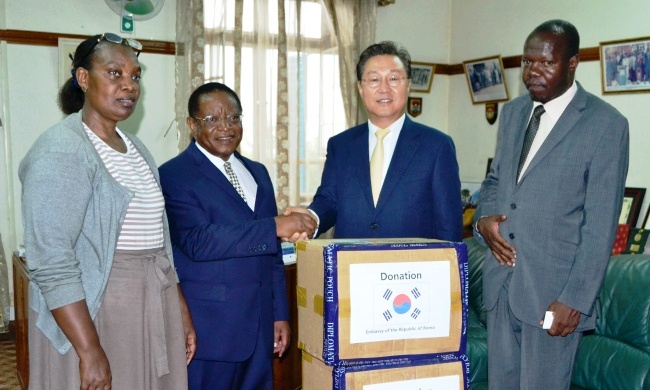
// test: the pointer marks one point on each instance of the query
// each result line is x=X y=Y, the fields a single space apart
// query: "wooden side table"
x=287 y=372
x=21 y=306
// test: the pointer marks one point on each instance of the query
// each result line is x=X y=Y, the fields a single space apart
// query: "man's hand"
x=289 y=210
x=281 y=337
x=488 y=227
x=188 y=327
x=565 y=319
x=295 y=224
x=297 y=236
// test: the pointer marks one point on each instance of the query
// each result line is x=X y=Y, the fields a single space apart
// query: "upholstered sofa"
x=616 y=355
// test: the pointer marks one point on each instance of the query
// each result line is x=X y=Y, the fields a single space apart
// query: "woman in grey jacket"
x=97 y=241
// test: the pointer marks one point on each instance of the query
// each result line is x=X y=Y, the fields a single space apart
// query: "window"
x=315 y=107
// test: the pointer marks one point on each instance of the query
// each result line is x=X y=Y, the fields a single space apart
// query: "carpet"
x=8 y=377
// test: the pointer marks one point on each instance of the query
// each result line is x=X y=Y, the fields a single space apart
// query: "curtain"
x=282 y=117
x=354 y=24
x=291 y=63
x=189 y=61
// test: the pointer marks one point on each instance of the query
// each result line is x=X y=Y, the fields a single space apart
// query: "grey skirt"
x=139 y=325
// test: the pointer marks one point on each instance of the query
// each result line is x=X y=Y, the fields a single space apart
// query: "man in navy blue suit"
x=224 y=228
x=415 y=191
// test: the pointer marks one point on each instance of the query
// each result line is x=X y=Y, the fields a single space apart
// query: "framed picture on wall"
x=646 y=219
x=489 y=164
x=486 y=80
x=414 y=106
x=422 y=76
x=67 y=47
x=624 y=65
x=632 y=201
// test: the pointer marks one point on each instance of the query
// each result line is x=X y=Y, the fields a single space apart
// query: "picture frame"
x=489 y=164
x=414 y=106
x=632 y=201
x=422 y=76
x=646 y=219
x=486 y=80
x=67 y=47
x=622 y=68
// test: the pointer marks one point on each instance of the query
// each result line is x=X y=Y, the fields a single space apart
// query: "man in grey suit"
x=548 y=215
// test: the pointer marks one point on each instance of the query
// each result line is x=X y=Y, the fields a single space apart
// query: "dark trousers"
x=255 y=373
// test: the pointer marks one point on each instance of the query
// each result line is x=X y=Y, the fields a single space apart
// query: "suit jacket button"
x=512 y=236
x=513 y=206
x=256 y=216
x=374 y=226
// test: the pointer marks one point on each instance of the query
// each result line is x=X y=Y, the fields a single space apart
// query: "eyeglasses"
x=375 y=81
x=114 y=38
x=212 y=121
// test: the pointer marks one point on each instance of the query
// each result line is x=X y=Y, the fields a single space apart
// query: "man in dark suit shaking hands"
x=548 y=212
x=389 y=177
x=224 y=230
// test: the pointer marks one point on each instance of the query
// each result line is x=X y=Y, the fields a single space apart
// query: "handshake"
x=296 y=223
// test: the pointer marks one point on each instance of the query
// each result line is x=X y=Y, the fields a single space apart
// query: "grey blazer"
x=563 y=213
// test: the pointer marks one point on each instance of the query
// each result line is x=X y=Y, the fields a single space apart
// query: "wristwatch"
x=476 y=226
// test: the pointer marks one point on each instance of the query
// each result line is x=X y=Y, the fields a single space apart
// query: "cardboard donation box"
x=363 y=302
x=424 y=374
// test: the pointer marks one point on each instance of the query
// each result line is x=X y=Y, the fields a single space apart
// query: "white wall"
x=29 y=86
x=87 y=17
x=423 y=26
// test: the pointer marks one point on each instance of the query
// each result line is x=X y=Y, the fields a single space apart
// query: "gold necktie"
x=377 y=164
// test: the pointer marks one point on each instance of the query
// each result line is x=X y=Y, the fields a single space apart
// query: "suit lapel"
x=520 y=134
x=214 y=175
x=406 y=147
x=563 y=126
x=360 y=161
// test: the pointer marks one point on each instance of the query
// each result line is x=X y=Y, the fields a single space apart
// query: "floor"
x=8 y=378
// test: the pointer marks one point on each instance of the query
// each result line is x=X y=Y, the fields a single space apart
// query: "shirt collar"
x=556 y=107
x=217 y=161
x=395 y=127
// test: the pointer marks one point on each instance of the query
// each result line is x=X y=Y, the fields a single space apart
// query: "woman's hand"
x=75 y=322
x=94 y=371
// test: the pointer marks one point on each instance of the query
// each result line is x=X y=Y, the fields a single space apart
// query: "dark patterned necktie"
x=233 y=179
x=531 y=131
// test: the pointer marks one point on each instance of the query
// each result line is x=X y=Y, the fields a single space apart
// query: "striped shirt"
x=142 y=227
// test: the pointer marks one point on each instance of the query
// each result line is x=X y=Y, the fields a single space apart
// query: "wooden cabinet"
x=21 y=308
x=287 y=371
